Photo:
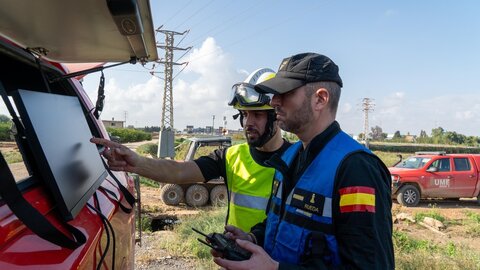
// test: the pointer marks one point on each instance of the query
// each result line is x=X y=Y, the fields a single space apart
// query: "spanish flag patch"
x=357 y=199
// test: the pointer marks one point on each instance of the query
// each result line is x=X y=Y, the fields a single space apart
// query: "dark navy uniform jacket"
x=364 y=238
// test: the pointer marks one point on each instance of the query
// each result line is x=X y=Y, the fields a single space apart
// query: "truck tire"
x=408 y=195
x=218 y=195
x=196 y=196
x=171 y=194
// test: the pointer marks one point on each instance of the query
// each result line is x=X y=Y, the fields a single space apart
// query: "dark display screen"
x=58 y=134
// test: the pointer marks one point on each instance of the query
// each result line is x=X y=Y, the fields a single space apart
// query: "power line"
x=185 y=66
x=178 y=11
x=225 y=24
x=194 y=14
x=253 y=33
x=214 y=13
x=182 y=38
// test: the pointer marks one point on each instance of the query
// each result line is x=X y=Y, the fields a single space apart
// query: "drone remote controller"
x=228 y=247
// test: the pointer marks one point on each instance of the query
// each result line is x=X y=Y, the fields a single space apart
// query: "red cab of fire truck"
x=435 y=175
x=47 y=222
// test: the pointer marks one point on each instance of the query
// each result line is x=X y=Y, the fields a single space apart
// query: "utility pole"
x=166 y=138
x=367 y=106
x=213 y=124
x=225 y=129
x=125 y=117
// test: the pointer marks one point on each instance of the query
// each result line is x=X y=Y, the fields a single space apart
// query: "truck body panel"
x=35 y=39
x=438 y=175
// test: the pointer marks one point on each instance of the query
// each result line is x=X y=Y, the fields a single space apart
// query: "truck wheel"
x=197 y=195
x=218 y=195
x=171 y=194
x=478 y=199
x=408 y=196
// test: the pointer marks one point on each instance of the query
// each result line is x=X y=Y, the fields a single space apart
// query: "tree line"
x=437 y=136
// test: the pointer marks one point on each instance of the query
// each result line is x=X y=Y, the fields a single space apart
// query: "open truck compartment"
x=60 y=176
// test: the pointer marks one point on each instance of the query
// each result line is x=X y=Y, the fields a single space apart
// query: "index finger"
x=104 y=142
x=232 y=229
x=227 y=264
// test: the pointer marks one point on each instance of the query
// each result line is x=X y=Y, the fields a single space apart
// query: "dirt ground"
x=454 y=212
x=163 y=260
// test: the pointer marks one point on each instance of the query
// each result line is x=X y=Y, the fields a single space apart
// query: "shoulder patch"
x=357 y=199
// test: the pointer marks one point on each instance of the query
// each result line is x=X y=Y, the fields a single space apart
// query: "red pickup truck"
x=435 y=175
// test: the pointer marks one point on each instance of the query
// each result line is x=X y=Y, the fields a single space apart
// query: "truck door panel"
x=465 y=177
x=440 y=183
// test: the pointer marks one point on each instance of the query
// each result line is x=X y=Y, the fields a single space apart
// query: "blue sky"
x=418 y=60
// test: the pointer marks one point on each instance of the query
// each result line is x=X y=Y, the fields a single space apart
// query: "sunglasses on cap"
x=246 y=95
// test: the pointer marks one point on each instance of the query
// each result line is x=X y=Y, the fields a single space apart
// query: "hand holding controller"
x=228 y=247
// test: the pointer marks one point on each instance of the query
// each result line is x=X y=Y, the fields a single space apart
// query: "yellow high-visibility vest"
x=249 y=186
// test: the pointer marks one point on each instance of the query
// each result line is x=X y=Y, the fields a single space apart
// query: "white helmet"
x=244 y=95
x=260 y=75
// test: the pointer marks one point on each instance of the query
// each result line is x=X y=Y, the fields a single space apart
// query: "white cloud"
x=197 y=101
x=392 y=105
x=139 y=102
x=196 y=97
x=464 y=115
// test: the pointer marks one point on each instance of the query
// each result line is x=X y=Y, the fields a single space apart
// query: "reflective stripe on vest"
x=249 y=201
x=308 y=207
x=249 y=186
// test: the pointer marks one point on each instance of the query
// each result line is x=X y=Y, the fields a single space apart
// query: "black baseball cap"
x=298 y=70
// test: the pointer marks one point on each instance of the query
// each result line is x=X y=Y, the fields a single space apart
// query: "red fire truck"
x=60 y=208
x=436 y=175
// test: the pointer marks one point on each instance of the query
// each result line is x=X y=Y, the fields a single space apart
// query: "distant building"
x=208 y=129
x=189 y=130
x=113 y=123
x=410 y=138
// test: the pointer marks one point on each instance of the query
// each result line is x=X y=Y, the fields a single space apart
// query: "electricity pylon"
x=166 y=138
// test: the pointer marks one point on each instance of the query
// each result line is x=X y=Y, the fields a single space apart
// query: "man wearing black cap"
x=330 y=206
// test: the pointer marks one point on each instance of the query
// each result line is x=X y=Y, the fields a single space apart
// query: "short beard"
x=299 y=118
x=253 y=142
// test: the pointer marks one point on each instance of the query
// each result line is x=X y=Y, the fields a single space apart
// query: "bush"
x=179 y=141
x=5 y=131
x=129 y=135
x=148 y=149
x=12 y=156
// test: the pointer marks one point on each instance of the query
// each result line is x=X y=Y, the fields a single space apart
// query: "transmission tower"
x=367 y=106
x=166 y=137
